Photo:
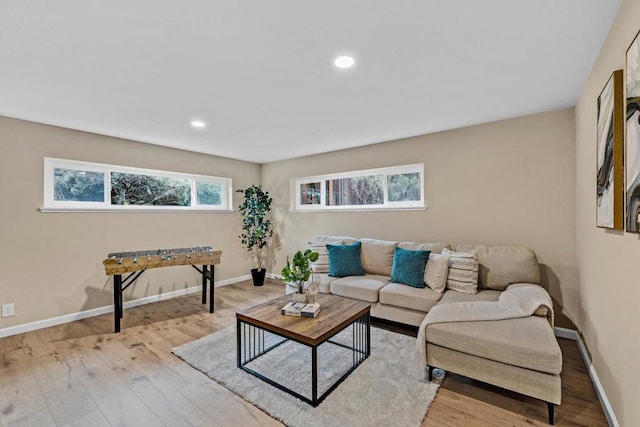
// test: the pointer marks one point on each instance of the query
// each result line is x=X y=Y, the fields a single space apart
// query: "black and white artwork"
x=609 y=190
x=633 y=137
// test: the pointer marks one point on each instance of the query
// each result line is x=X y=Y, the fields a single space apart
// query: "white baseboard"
x=572 y=334
x=53 y=321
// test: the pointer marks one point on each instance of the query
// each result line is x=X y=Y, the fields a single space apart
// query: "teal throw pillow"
x=408 y=267
x=344 y=260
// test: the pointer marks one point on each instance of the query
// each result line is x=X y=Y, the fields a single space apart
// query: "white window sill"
x=357 y=210
x=147 y=210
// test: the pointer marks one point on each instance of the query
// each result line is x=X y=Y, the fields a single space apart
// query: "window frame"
x=51 y=205
x=386 y=205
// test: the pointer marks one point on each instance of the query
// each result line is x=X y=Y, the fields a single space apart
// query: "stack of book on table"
x=301 y=309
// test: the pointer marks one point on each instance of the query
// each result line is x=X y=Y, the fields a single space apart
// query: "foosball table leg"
x=212 y=271
x=204 y=284
x=117 y=301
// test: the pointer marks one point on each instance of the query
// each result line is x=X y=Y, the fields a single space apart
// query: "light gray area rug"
x=387 y=389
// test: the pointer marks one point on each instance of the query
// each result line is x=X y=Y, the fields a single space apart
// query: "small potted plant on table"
x=297 y=272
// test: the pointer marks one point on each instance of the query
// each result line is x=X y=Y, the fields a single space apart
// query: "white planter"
x=300 y=297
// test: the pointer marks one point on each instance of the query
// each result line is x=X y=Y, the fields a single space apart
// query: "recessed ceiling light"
x=198 y=124
x=344 y=62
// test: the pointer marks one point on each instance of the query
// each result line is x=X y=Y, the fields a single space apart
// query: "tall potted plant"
x=256 y=227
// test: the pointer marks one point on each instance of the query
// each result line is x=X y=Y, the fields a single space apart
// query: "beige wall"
x=51 y=263
x=608 y=313
x=505 y=183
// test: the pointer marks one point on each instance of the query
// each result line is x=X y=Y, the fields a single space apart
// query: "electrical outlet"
x=7 y=310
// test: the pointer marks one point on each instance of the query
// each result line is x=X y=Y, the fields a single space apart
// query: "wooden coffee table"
x=336 y=314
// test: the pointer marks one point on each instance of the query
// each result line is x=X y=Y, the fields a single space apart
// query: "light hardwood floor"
x=82 y=374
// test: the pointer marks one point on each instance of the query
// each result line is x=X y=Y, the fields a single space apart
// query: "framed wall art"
x=632 y=219
x=610 y=155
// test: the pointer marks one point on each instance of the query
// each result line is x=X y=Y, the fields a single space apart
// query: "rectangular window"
x=399 y=187
x=149 y=190
x=365 y=190
x=73 y=185
x=209 y=193
x=310 y=193
x=404 y=187
x=77 y=185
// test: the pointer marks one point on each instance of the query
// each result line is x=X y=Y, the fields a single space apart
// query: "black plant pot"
x=258 y=276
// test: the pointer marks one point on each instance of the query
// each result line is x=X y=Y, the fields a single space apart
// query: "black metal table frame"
x=254 y=347
x=120 y=285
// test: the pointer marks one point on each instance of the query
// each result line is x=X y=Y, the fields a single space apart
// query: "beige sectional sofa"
x=519 y=354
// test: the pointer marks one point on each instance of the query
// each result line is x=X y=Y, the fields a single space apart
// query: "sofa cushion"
x=399 y=295
x=364 y=288
x=437 y=271
x=377 y=256
x=345 y=260
x=408 y=267
x=483 y=295
x=397 y=314
x=463 y=271
x=434 y=248
x=501 y=266
x=527 y=342
x=325 y=282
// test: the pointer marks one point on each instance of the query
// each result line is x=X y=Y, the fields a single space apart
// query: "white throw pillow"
x=435 y=275
x=322 y=264
x=463 y=271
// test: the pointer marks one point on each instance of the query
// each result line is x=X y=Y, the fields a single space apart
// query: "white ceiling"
x=261 y=75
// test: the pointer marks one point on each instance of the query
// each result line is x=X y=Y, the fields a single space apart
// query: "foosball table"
x=137 y=262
